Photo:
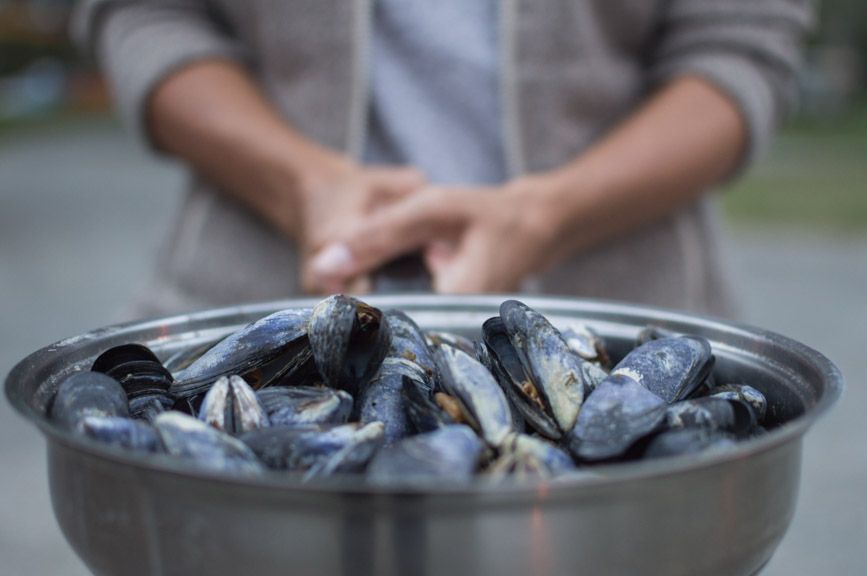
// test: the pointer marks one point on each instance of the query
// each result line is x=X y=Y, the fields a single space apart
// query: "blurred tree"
x=843 y=23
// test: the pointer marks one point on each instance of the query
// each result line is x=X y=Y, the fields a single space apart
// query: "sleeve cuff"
x=139 y=45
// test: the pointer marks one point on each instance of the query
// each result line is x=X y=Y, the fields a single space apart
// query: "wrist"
x=544 y=198
x=536 y=218
x=317 y=169
x=564 y=209
x=292 y=173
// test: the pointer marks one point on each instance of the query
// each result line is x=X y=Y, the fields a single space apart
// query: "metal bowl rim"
x=604 y=475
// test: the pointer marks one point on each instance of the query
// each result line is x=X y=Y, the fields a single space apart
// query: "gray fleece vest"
x=570 y=70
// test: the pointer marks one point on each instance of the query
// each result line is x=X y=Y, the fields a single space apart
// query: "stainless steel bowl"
x=719 y=513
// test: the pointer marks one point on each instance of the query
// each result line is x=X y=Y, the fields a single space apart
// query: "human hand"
x=334 y=197
x=475 y=239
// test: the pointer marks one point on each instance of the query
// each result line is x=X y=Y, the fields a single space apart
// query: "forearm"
x=211 y=115
x=683 y=140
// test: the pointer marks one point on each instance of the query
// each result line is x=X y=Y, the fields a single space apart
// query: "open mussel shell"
x=448 y=453
x=186 y=356
x=586 y=343
x=745 y=394
x=616 y=415
x=505 y=364
x=320 y=449
x=558 y=375
x=141 y=377
x=262 y=352
x=519 y=424
x=354 y=456
x=287 y=447
x=183 y=436
x=712 y=413
x=86 y=394
x=527 y=457
x=119 y=355
x=671 y=368
x=480 y=399
x=425 y=414
x=349 y=339
x=305 y=405
x=231 y=406
x=137 y=369
x=440 y=337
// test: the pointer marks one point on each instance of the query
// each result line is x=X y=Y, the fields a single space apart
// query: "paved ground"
x=80 y=214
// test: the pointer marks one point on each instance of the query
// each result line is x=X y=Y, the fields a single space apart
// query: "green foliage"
x=815 y=175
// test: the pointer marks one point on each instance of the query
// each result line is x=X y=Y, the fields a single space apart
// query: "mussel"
x=317 y=450
x=263 y=352
x=305 y=405
x=505 y=364
x=448 y=453
x=349 y=340
x=557 y=374
x=86 y=394
x=120 y=431
x=745 y=394
x=231 y=406
x=616 y=415
x=526 y=457
x=344 y=388
x=586 y=343
x=481 y=400
x=185 y=437
x=671 y=368
x=712 y=413
x=408 y=360
x=423 y=411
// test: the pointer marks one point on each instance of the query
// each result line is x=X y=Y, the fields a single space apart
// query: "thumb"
x=329 y=270
x=438 y=253
x=394 y=230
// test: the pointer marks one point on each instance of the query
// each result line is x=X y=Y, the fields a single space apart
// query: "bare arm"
x=683 y=140
x=212 y=115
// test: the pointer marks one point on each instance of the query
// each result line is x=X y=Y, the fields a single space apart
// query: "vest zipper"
x=359 y=94
x=512 y=139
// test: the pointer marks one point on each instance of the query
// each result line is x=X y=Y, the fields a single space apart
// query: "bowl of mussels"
x=424 y=434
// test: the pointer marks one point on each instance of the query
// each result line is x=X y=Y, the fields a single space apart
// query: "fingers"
x=479 y=263
x=465 y=271
x=438 y=253
x=390 y=232
x=333 y=211
x=360 y=285
x=317 y=284
x=332 y=257
x=392 y=183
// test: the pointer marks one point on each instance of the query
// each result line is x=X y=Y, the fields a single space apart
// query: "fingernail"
x=335 y=259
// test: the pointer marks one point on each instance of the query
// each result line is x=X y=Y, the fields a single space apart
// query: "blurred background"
x=82 y=210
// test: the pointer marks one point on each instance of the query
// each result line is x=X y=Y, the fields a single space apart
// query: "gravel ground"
x=81 y=211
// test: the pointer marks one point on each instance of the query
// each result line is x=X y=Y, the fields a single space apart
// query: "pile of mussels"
x=347 y=388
